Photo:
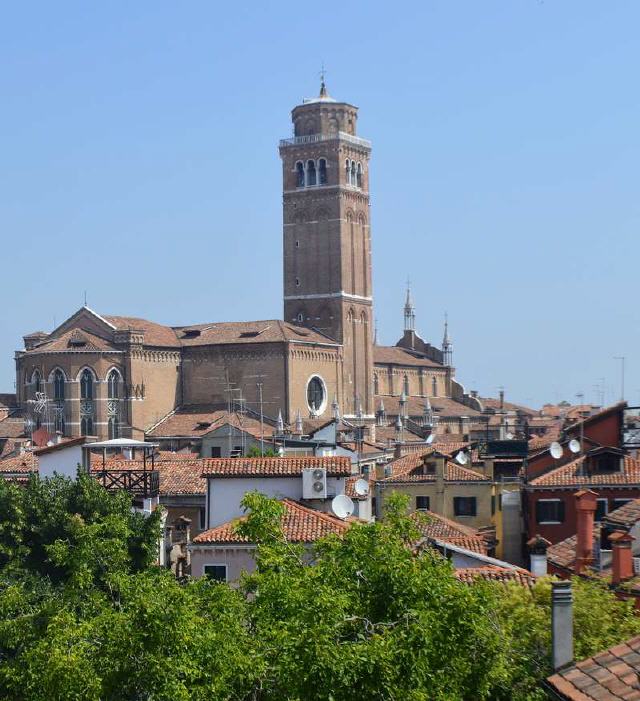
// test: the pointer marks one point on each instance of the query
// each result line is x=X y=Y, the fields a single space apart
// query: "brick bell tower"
x=327 y=242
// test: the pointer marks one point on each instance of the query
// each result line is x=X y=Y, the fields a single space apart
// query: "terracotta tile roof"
x=563 y=554
x=300 y=524
x=432 y=525
x=154 y=334
x=198 y=420
x=539 y=443
x=493 y=573
x=8 y=401
x=179 y=475
x=494 y=404
x=274 y=467
x=442 y=406
x=626 y=516
x=386 y=434
x=611 y=675
x=22 y=463
x=74 y=340
x=7 y=446
x=394 y=355
x=571 y=474
x=12 y=426
x=268 y=331
x=453 y=473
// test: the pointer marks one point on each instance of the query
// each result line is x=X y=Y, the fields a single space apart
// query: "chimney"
x=622 y=556
x=561 y=624
x=538 y=552
x=585 y=512
x=502 y=399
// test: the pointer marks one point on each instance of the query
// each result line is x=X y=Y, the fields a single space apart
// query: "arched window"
x=353 y=173
x=300 y=173
x=406 y=385
x=36 y=381
x=86 y=385
x=300 y=317
x=322 y=172
x=359 y=175
x=86 y=426
x=434 y=387
x=348 y=170
x=112 y=384
x=114 y=431
x=311 y=172
x=58 y=385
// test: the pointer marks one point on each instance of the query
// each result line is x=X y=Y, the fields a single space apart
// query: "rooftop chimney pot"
x=561 y=623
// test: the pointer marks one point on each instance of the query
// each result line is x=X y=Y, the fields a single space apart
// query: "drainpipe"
x=561 y=624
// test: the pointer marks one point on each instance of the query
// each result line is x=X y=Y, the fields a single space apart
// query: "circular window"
x=316 y=394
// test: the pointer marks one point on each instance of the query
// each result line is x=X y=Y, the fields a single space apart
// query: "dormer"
x=604 y=461
x=34 y=339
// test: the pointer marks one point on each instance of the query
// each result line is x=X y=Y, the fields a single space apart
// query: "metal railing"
x=315 y=138
x=145 y=483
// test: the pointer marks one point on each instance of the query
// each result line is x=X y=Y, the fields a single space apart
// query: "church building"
x=117 y=376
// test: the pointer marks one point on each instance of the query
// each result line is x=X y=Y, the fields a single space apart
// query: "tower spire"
x=323 y=87
x=447 y=346
x=409 y=310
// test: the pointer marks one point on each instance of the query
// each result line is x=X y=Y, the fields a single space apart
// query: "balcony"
x=140 y=483
x=315 y=138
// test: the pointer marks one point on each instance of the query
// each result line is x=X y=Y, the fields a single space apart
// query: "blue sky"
x=139 y=162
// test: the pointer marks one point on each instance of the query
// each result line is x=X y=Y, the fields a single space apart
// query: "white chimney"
x=561 y=624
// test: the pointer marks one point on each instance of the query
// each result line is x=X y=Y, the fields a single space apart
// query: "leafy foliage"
x=85 y=615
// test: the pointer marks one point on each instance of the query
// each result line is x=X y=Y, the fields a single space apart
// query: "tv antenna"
x=342 y=506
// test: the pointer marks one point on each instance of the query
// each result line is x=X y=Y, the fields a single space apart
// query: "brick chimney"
x=622 y=556
x=585 y=511
x=538 y=553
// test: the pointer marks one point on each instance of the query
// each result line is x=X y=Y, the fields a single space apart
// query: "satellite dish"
x=509 y=436
x=361 y=487
x=556 y=450
x=342 y=506
x=429 y=440
x=462 y=458
x=574 y=446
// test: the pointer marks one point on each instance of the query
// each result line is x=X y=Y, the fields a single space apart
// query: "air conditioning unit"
x=314 y=483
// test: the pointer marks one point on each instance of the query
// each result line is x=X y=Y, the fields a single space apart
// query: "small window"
x=464 y=506
x=297 y=244
x=601 y=509
x=37 y=381
x=365 y=470
x=216 y=572
x=113 y=428
x=112 y=384
x=300 y=317
x=237 y=452
x=359 y=175
x=348 y=172
x=550 y=511
x=202 y=518
x=86 y=426
x=353 y=180
x=617 y=503
x=434 y=387
x=299 y=174
x=322 y=171
x=422 y=503
x=315 y=394
x=493 y=504
x=297 y=282
x=216 y=451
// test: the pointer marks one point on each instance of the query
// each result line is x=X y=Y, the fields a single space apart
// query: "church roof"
x=199 y=420
x=442 y=406
x=268 y=331
x=154 y=334
x=393 y=355
x=76 y=340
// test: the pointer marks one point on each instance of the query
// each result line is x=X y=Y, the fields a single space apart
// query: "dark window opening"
x=464 y=506
x=202 y=520
x=311 y=173
x=322 y=171
x=216 y=572
x=422 y=503
x=300 y=174
x=58 y=385
x=86 y=385
x=601 y=509
x=216 y=451
x=315 y=393
x=550 y=511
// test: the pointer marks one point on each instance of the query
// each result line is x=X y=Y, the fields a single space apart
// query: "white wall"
x=64 y=461
x=224 y=495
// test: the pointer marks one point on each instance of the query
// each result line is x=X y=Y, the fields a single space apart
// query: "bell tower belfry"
x=327 y=244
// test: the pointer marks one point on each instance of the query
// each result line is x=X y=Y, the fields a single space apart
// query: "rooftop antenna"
x=342 y=506
x=85 y=298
